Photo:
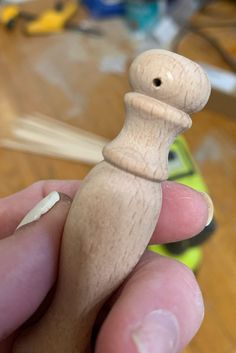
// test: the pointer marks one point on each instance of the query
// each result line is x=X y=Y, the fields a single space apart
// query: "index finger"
x=184 y=211
x=13 y=208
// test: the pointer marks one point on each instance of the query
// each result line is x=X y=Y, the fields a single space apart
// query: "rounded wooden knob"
x=170 y=78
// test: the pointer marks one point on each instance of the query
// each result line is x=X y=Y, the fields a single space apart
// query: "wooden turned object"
x=114 y=213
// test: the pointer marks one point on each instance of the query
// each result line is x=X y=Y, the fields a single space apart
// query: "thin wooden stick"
x=40 y=134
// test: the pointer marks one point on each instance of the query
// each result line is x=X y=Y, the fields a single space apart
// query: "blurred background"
x=63 y=75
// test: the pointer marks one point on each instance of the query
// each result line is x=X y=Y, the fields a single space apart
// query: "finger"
x=28 y=262
x=159 y=310
x=13 y=208
x=185 y=213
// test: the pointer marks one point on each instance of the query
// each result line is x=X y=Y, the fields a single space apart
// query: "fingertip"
x=14 y=207
x=160 y=309
x=66 y=187
x=185 y=212
x=210 y=207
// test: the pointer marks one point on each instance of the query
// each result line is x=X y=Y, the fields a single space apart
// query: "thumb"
x=28 y=261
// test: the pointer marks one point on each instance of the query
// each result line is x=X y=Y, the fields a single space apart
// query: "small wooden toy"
x=114 y=213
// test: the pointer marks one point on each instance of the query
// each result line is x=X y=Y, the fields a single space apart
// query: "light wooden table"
x=26 y=86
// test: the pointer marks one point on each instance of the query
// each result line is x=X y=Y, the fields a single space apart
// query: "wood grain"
x=99 y=226
x=113 y=215
x=212 y=141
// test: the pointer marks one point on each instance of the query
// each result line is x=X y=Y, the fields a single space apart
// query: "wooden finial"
x=167 y=87
x=170 y=78
x=115 y=212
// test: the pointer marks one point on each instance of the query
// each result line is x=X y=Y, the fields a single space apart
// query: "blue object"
x=104 y=8
x=142 y=15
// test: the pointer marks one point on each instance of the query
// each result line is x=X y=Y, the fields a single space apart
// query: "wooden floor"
x=54 y=75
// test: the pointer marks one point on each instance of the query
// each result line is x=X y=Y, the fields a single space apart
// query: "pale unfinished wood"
x=115 y=212
x=40 y=134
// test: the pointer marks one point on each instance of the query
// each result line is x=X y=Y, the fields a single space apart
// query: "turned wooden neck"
x=143 y=144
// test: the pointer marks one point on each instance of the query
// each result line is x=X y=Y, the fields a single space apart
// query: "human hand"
x=158 y=309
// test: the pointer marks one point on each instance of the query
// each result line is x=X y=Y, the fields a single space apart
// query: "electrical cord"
x=228 y=58
x=198 y=29
x=218 y=24
x=215 y=13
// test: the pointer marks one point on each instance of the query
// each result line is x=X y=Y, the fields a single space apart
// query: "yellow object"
x=51 y=21
x=182 y=167
x=9 y=14
x=192 y=257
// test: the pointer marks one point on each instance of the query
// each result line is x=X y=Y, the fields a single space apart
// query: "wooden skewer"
x=88 y=156
x=60 y=129
x=43 y=135
x=115 y=212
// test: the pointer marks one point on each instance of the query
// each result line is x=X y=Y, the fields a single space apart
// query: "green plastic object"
x=191 y=257
x=184 y=170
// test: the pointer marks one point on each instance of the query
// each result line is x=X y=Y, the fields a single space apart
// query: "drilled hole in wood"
x=156 y=82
